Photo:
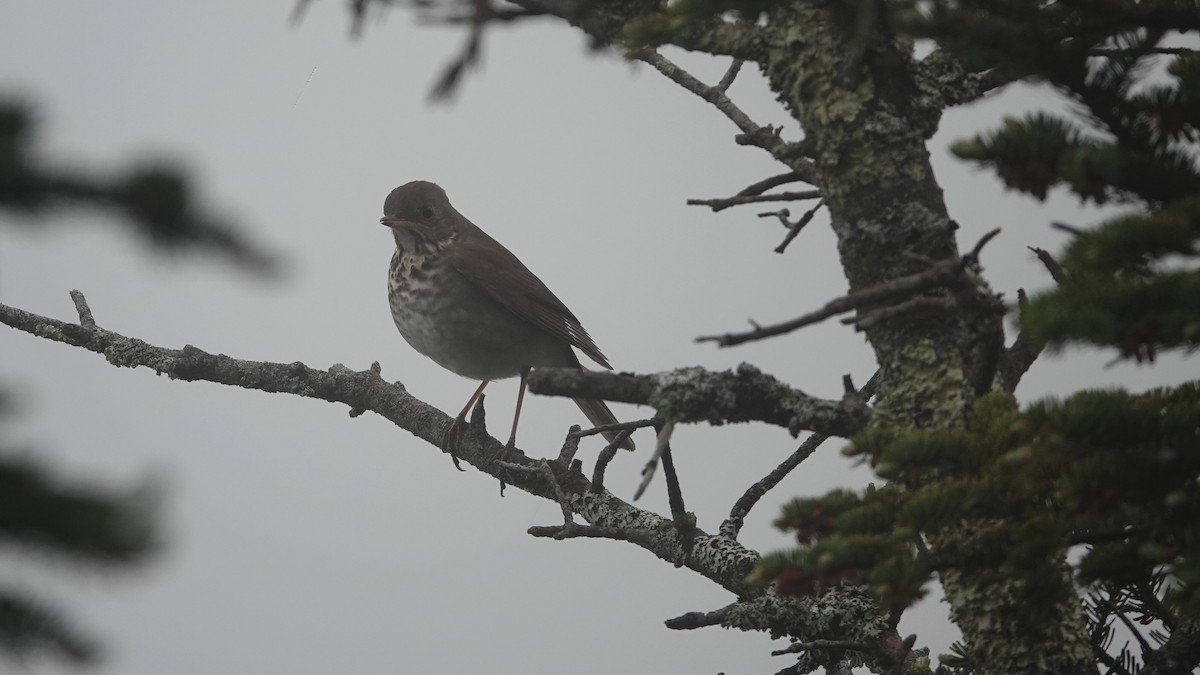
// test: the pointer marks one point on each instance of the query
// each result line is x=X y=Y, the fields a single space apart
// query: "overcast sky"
x=302 y=541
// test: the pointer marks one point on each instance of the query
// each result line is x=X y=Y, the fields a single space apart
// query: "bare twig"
x=781 y=214
x=713 y=95
x=559 y=495
x=772 y=182
x=498 y=14
x=943 y=273
x=779 y=149
x=869 y=318
x=81 y=307
x=685 y=523
x=541 y=468
x=1017 y=359
x=741 y=508
x=798 y=225
x=1052 y=266
x=1068 y=228
x=737 y=515
x=481 y=14
x=603 y=460
x=730 y=75
x=738 y=200
x=660 y=446
x=570 y=446
x=576 y=432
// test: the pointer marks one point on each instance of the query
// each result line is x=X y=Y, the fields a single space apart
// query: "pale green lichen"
x=928 y=388
x=50 y=332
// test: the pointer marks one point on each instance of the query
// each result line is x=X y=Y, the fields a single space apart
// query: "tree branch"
x=794 y=228
x=942 y=273
x=1019 y=357
x=698 y=395
x=858 y=620
x=737 y=515
x=716 y=558
x=738 y=200
x=787 y=153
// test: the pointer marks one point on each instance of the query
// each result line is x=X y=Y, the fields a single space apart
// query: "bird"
x=465 y=301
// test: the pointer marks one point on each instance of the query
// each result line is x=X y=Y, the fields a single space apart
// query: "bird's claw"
x=450 y=440
x=503 y=456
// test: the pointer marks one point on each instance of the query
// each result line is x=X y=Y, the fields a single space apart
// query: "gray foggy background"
x=302 y=541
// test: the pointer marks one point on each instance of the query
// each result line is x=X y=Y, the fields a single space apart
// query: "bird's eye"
x=427 y=211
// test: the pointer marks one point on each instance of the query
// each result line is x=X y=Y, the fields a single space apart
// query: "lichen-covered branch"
x=719 y=559
x=841 y=614
x=698 y=395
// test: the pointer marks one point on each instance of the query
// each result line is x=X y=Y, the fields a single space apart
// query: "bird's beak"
x=393 y=222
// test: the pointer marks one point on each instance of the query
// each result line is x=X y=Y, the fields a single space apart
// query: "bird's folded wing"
x=496 y=271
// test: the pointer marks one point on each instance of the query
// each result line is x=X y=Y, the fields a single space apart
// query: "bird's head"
x=420 y=216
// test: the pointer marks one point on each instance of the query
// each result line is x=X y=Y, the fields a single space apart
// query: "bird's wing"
x=493 y=268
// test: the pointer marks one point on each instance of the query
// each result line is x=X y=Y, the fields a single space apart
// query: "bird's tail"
x=598 y=413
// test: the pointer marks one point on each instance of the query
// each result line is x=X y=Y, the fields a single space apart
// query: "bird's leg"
x=512 y=435
x=450 y=438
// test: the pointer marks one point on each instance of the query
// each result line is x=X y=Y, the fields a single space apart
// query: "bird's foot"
x=450 y=439
x=501 y=457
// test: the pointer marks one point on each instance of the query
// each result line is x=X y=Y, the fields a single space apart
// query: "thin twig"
x=781 y=214
x=942 y=273
x=570 y=446
x=738 y=200
x=798 y=225
x=768 y=183
x=1052 y=266
x=685 y=523
x=602 y=460
x=688 y=81
x=541 y=468
x=81 y=307
x=576 y=432
x=741 y=508
x=869 y=318
x=660 y=446
x=481 y=14
x=780 y=149
x=730 y=75
x=1068 y=228
x=1020 y=356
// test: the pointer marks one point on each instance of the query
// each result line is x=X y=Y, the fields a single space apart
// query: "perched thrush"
x=466 y=302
